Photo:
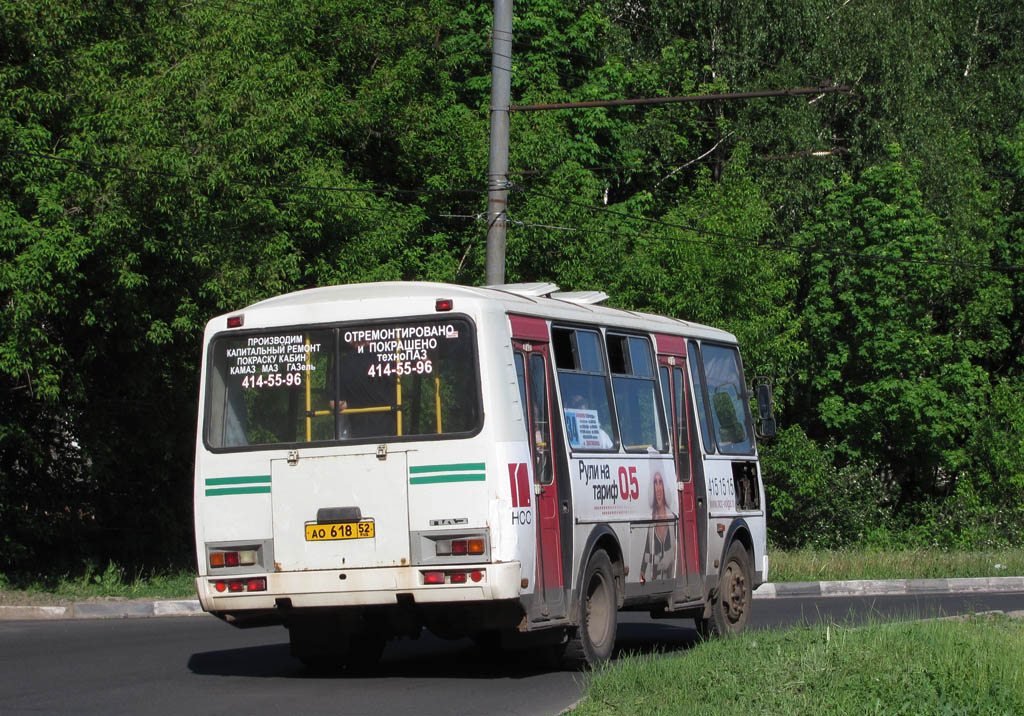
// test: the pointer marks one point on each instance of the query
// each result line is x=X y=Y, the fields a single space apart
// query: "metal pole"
x=497 y=168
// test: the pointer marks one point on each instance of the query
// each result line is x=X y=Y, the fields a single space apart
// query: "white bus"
x=508 y=463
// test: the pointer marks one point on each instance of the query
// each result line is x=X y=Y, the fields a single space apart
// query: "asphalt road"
x=198 y=665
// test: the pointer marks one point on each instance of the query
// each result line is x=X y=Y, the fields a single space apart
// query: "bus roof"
x=536 y=299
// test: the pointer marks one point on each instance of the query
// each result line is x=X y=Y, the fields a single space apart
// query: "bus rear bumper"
x=361 y=587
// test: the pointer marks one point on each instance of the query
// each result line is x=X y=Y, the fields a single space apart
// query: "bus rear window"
x=346 y=383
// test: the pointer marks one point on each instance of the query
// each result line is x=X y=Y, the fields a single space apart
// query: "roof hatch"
x=587 y=298
x=533 y=290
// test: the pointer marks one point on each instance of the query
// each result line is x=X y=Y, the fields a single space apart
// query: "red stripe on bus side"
x=524 y=485
x=513 y=483
x=527 y=328
x=673 y=345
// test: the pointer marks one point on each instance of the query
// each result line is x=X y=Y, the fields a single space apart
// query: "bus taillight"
x=448 y=547
x=451 y=576
x=255 y=584
x=239 y=558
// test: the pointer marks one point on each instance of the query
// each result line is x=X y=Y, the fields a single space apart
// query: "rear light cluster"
x=451 y=577
x=241 y=558
x=447 y=547
x=251 y=584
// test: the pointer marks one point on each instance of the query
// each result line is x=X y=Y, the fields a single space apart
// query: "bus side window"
x=700 y=397
x=539 y=424
x=666 y=399
x=683 y=436
x=583 y=384
x=729 y=409
x=521 y=380
x=640 y=425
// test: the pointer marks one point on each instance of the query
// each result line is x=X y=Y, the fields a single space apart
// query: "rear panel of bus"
x=347 y=463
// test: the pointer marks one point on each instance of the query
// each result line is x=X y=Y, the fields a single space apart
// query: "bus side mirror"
x=766 y=427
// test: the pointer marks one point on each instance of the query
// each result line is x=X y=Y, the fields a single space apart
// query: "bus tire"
x=731 y=600
x=591 y=642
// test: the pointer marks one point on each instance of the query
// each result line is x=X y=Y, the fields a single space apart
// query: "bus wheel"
x=591 y=643
x=730 y=604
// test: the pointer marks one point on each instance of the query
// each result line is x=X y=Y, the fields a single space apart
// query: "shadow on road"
x=430 y=657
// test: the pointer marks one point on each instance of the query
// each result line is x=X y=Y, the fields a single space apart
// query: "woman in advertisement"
x=659 y=553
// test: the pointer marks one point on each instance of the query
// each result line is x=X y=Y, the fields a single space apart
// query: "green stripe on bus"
x=458 y=477
x=253 y=490
x=237 y=480
x=465 y=466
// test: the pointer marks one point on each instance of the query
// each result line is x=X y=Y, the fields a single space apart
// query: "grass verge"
x=113 y=581
x=812 y=565
x=931 y=667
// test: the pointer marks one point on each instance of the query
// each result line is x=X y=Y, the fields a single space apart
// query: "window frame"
x=699 y=387
x=743 y=398
x=652 y=357
x=605 y=374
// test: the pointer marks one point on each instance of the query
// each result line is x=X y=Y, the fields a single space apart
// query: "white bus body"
x=504 y=462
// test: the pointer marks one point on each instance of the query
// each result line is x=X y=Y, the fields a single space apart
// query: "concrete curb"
x=869 y=587
x=771 y=590
x=107 y=610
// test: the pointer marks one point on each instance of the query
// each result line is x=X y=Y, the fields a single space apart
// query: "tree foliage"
x=165 y=162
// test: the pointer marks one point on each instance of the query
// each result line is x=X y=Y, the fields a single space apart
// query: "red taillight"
x=460 y=547
x=235 y=321
x=233 y=559
x=443 y=304
x=450 y=577
x=254 y=584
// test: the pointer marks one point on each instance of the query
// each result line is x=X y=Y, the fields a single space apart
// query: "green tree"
x=896 y=362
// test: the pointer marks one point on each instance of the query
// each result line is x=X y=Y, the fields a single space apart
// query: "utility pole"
x=501 y=109
x=497 y=167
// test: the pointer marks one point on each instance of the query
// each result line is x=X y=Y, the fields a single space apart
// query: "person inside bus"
x=659 y=553
x=578 y=402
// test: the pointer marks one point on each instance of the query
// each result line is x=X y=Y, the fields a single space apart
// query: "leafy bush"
x=813 y=503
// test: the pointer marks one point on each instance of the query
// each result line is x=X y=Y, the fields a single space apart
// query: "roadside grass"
x=93 y=583
x=931 y=667
x=813 y=565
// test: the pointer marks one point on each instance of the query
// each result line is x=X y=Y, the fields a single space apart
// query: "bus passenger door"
x=676 y=397
x=532 y=368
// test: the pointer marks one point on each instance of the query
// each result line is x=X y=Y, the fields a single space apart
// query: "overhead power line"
x=725 y=96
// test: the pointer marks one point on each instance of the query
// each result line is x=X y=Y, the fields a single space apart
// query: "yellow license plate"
x=339 y=530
